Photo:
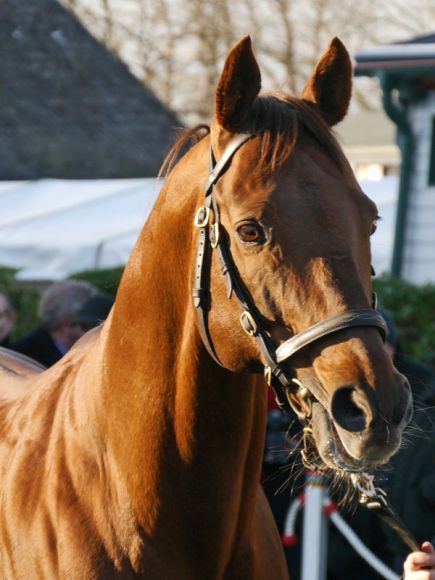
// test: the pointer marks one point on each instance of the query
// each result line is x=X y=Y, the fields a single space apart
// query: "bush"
x=106 y=281
x=413 y=310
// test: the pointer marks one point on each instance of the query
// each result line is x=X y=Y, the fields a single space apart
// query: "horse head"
x=294 y=248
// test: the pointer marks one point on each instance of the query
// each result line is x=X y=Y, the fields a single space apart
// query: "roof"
x=369 y=137
x=426 y=39
x=366 y=128
x=415 y=55
x=68 y=107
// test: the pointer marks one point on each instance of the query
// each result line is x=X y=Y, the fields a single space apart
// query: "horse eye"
x=251 y=233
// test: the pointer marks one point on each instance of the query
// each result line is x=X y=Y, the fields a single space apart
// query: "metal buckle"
x=371 y=496
x=304 y=399
x=202 y=217
x=364 y=483
x=249 y=319
x=214 y=235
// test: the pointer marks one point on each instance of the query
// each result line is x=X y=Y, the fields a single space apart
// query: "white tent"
x=384 y=193
x=52 y=228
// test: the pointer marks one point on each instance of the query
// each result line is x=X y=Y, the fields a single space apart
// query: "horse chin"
x=329 y=445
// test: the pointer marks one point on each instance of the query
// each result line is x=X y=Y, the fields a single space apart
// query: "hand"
x=421 y=565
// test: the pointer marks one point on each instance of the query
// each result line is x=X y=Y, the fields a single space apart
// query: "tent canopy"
x=52 y=228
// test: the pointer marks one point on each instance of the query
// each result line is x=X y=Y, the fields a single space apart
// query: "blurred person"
x=57 y=330
x=94 y=311
x=411 y=481
x=7 y=318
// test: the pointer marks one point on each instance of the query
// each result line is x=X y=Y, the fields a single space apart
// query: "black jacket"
x=38 y=345
x=411 y=483
x=6 y=343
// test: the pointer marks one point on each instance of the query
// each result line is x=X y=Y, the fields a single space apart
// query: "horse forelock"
x=278 y=120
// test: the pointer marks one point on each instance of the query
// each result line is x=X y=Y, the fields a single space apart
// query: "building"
x=68 y=107
x=369 y=142
x=406 y=72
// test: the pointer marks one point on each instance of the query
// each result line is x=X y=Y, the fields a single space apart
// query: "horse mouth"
x=329 y=445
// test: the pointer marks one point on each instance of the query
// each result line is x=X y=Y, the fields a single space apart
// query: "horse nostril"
x=351 y=410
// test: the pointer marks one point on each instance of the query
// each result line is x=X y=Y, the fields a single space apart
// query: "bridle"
x=286 y=387
x=290 y=394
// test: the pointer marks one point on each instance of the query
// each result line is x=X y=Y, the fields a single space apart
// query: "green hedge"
x=105 y=280
x=413 y=307
x=413 y=310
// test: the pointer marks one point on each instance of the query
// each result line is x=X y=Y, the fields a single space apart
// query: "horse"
x=138 y=455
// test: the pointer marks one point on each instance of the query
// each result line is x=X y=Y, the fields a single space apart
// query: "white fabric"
x=384 y=193
x=51 y=228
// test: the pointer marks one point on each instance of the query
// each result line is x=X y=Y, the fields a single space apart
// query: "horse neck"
x=174 y=419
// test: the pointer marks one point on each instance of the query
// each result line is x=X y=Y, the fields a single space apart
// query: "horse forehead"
x=294 y=187
x=310 y=178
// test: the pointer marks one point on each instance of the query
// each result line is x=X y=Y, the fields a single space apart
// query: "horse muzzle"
x=354 y=435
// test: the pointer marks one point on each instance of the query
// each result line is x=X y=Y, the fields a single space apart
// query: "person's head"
x=94 y=311
x=7 y=315
x=59 y=307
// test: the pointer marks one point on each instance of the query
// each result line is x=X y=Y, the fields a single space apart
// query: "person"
x=94 y=311
x=420 y=565
x=411 y=480
x=58 y=329
x=7 y=318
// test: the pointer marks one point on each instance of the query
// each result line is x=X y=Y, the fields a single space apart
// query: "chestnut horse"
x=139 y=454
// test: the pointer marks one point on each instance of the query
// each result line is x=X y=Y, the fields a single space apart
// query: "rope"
x=359 y=547
x=290 y=539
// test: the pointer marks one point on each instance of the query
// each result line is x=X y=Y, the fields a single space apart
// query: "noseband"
x=278 y=376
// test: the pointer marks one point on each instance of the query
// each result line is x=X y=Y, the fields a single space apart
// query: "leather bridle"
x=213 y=237
x=286 y=386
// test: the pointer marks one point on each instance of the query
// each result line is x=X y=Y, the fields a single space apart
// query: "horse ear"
x=330 y=85
x=238 y=86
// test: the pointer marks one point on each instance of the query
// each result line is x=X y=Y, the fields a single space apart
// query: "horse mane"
x=278 y=119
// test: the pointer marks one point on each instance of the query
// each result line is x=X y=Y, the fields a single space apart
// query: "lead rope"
x=375 y=499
